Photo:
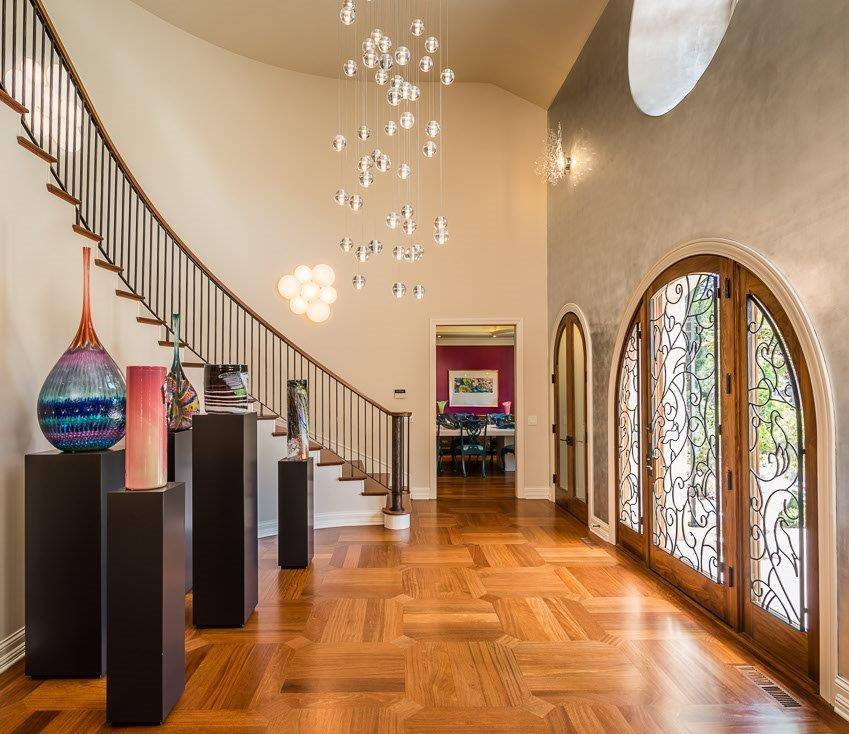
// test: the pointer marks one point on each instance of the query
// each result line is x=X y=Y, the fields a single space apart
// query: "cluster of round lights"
x=388 y=62
x=309 y=291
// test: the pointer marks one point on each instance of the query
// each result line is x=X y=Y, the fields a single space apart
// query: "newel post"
x=395 y=517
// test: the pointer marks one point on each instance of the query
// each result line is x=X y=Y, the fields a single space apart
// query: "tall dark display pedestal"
x=180 y=470
x=65 y=561
x=295 y=532
x=224 y=525
x=146 y=651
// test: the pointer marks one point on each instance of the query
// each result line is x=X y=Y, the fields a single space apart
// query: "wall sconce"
x=309 y=291
x=553 y=164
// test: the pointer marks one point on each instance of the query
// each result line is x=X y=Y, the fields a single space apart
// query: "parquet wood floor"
x=489 y=615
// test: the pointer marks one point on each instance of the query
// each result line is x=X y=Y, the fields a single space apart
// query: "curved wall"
x=757 y=153
x=237 y=156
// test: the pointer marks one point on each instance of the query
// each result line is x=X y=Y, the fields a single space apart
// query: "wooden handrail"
x=57 y=41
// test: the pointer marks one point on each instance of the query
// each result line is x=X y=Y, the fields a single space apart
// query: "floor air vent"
x=769 y=686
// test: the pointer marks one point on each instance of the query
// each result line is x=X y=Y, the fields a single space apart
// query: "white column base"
x=396 y=522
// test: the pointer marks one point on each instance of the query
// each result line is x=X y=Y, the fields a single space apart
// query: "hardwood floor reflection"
x=496 y=483
x=489 y=615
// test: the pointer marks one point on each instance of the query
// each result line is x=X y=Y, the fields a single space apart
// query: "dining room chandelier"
x=393 y=68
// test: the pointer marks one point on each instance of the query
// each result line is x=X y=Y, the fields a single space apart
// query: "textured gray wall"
x=757 y=153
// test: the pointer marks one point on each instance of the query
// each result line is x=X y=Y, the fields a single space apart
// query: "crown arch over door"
x=715 y=454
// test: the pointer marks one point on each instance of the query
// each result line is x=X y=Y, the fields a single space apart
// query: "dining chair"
x=473 y=442
x=446 y=445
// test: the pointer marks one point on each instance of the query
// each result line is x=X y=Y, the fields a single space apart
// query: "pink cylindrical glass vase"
x=147 y=429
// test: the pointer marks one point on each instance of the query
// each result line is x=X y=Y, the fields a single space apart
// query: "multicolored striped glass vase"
x=82 y=404
x=147 y=429
x=181 y=399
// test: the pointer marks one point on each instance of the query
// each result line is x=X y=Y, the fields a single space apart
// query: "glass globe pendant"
x=393 y=220
x=348 y=14
x=440 y=223
x=384 y=163
x=391 y=128
x=398 y=290
x=370 y=59
x=416 y=253
x=362 y=253
x=402 y=56
x=414 y=93
x=340 y=197
x=426 y=64
x=339 y=143
x=407 y=211
x=376 y=35
x=346 y=244
x=417 y=27
x=363 y=132
x=432 y=129
x=364 y=163
x=375 y=154
x=429 y=149
x=441 y=237
x=404 y=171
x=355 y=201
x=408 y=119
x=349 y=68
x=394 y=97
x=359 y=282
x=369 y=45
x=384 y=44
x=409 y=227
x=386 y=62
x=431 y=44
x=418 y=292
x=381 y=76
x=447 y=77
x=366 y=179
x=376 y=247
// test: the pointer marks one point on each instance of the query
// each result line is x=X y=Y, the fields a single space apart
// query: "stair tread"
x=106 y=265
x=79 y=229
x=149 y=320
x=169 y=343
x=62 y=194
x=9 y=100
x=128 y=295
x=335 y=462
x=193 y=365
x=33 y=148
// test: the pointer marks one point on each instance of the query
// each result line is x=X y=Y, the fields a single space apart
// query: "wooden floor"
x=489 y=615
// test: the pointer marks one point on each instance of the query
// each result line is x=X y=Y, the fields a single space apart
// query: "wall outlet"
x=532 y=420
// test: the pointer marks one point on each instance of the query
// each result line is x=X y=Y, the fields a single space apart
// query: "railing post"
x=395 y=517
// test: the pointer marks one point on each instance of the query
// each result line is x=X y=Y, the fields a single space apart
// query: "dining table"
x=491 y=432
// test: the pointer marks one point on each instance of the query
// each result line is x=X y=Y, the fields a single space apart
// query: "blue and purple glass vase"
x=82 y=404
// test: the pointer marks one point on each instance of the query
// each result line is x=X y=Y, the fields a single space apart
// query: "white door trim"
x=519 y=398
x=800 y=319
x=596 y=525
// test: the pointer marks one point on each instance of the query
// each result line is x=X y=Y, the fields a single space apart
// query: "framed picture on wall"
x=473 y=388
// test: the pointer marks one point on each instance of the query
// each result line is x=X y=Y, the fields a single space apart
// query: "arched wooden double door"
x=570 y=411
x=716 y=447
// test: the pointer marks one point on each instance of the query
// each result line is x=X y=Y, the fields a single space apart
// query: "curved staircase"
x=352 y=436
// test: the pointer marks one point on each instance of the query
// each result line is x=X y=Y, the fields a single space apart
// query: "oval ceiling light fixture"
x=671 y=45
x=309 y=291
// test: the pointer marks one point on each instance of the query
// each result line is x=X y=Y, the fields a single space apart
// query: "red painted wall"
x=477 y=358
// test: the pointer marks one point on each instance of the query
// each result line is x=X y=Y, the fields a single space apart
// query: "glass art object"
x=297 y=420
x=181 y=398
x=82 y=403
x=147 y=429
x=225 y=388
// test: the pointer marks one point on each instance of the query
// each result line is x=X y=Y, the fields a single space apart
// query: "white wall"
x=236 y=154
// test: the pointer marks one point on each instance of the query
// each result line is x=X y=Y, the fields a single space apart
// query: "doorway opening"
x=476 y=398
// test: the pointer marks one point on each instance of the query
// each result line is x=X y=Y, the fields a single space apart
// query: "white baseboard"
x=11 y=649
x=841 y=697
x=600 y=528
x=348 y=517
x=267 y=529
x=421 y=493
x=537 y=493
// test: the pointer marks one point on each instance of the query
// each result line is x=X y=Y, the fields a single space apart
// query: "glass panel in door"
x=684 y=421
x=628 y=440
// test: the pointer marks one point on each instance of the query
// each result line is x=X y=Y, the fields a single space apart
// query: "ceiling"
x=527 y=47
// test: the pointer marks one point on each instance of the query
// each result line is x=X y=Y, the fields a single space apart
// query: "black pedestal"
x=180 y=470
x=146 y=651
x=224 y=525
x=295 y=513
x=65 y=561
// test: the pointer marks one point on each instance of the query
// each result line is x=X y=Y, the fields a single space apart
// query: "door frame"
x=519 y=408
x=823 y=395
x=596 y=526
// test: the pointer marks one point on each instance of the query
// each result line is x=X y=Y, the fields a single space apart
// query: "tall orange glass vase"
x=147 y=429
